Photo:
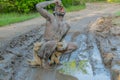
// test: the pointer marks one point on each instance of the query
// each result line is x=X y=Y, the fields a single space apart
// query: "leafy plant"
x=22 y=6
x=26 y=6
x=113 y=0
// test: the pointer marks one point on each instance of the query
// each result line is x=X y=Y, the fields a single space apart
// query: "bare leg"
x=71 y=47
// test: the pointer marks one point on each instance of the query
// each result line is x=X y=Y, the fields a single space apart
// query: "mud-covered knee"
x=72 y=46
x=61 y=46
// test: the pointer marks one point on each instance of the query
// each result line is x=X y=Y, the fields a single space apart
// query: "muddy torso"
x=55 y=30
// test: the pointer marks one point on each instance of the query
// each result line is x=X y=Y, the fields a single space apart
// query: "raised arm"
x=40 y=8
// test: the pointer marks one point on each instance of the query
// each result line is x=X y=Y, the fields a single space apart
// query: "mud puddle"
x=15 y=67
x=86 y=63
x=42 y=74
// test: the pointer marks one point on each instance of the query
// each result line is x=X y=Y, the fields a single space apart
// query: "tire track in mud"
x=20 y=49
x=16 y=53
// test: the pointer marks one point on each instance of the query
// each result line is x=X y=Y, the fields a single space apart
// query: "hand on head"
x=57 y=2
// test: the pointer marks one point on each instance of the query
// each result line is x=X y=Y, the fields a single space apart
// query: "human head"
x=59 y=9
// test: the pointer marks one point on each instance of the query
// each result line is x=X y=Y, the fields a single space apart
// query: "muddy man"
x=56 y=27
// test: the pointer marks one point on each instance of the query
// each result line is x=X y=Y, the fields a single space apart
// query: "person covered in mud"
x=56 y=27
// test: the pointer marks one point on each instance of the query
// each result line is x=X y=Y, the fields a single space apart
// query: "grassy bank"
x=9 y=18
x=117 y=13
x=75 y=8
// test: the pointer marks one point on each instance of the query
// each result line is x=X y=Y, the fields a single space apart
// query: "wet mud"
x=97 y=57
x=106 y=31
x=13 y=62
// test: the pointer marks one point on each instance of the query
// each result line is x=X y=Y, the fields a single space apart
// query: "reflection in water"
x=85 y=59
x=42 y=74
x=72 y=67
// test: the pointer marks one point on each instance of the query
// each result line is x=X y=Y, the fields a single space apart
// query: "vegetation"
x=26 y=6
x=75 y=8
x=21 y=6
x=12 y=11
x=9 y=18
x=113 y=0
x=117 y=13
x=20 y=10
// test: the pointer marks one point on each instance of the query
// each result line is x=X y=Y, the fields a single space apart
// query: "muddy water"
x=41 y=74
x=15 y=67
x=83 y=64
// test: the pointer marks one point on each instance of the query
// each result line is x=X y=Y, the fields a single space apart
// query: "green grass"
x=75 y=8
x=117 y=13
x=9 y=18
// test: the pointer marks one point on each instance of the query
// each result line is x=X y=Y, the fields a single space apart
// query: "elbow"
x=38 y=6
